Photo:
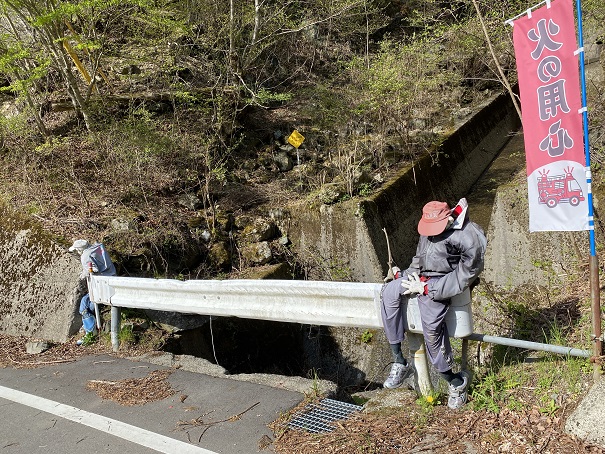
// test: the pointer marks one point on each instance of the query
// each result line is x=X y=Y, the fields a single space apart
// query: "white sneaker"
x=399 y=373
x=458 y=394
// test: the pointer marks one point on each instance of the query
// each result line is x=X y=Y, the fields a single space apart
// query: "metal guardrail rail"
x=345 y=304
x=349 y=304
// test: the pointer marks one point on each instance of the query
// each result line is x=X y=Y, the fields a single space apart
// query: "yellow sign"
x=296 y=139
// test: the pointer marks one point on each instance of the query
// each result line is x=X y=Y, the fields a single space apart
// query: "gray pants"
x=432 y=313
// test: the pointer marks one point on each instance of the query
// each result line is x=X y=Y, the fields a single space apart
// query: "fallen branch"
x=103 y=382
x=200 y=422
x=26 y=363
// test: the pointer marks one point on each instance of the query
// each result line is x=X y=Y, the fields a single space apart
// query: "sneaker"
x=399 y=373
x=457 y=394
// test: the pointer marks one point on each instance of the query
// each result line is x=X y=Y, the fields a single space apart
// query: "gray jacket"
x=455 y=256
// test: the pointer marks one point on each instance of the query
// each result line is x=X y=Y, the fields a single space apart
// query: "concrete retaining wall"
x=517 y=258
x=350 y=234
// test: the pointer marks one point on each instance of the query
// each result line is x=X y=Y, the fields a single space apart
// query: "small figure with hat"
x=449 y=258
x=95 y=260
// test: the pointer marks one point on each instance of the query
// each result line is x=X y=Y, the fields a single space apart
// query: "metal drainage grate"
x=317 y=417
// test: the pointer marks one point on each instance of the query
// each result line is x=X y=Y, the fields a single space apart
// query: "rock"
x=196 y=222
x=205 y=236
x=35 y=347
x=130 y=70
x=257 y=253
x=419 y=123
x=378 y=178
x=283 y=161
x=465 y=112
x=121 y=224
x=260 y=230
x=8 y=109
x=175 y=322
x=220 y=256
x=392 y=156
x=281 y=218
x=330 y=193
x=586 y=421
x=190 y=201
x=277 y=271
x=361 y=177
x=224 y=222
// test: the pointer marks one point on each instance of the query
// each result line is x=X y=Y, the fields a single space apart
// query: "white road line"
x=111 y=426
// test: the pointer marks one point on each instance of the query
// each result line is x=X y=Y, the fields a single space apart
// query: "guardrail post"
x=464 y=355
x=421 y=363
x=115 y=328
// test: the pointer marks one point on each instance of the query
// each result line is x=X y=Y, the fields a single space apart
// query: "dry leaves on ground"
x=440 y=430
x=13 y=352
x=135 y=391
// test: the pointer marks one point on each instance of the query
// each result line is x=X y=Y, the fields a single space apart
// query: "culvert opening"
x=246 y=346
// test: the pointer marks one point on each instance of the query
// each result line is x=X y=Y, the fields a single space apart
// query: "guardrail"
x=307 y=302
x=351 y=304
x=346 y=304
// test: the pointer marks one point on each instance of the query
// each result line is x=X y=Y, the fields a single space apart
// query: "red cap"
x=434 y=218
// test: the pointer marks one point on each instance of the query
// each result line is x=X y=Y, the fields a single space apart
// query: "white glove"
x=413 y=284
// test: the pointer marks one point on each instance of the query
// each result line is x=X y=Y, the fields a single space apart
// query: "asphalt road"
x=49 y=409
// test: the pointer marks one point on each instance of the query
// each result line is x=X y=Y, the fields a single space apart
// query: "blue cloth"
x=87 y=310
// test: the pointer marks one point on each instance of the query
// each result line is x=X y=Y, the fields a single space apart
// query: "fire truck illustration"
x=559 y=189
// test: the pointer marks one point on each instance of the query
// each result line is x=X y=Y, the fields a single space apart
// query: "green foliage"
x=315 y=390
x=17 y=126
x=365 y=190
x=368 y=75
x=550 y=408
x=555 y=335
x=488 y=393
x=266 y=97
x=153 y=339
x=339 y=270
x=429 y=401
x=520 y=386
x=366 y=336
x=126 y=335
x=491 y=392
x=89 y=339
